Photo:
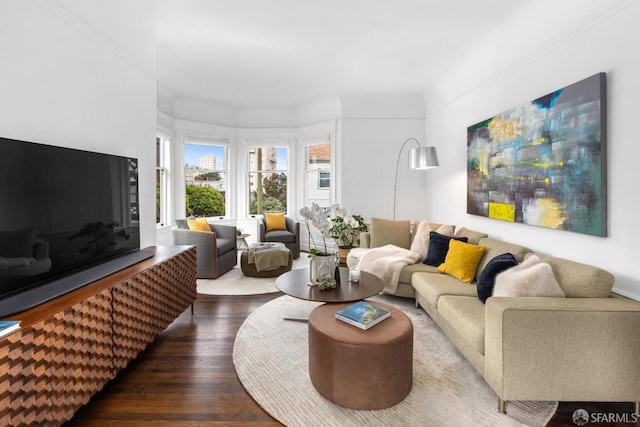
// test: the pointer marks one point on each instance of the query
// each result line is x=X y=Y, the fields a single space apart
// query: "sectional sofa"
x=581 y=347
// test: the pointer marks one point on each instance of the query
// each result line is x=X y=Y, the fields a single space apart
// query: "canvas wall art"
x=543 y=163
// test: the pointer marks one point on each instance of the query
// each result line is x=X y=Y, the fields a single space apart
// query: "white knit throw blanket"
x=386 y=262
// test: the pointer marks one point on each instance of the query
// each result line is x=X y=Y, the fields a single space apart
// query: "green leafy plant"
x=346 y=228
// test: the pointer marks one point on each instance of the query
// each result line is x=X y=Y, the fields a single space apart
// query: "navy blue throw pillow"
x=487 y=277
x=438 y=248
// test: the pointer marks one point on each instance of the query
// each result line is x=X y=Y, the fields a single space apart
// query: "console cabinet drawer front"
x=148 y=302
x=82 y=352
x=56 y=365
x=24 y=381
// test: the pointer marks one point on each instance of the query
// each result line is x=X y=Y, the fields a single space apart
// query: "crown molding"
x=55 y=9
x=591 y=21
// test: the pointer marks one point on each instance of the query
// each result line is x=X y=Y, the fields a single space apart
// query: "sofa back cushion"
x=499 y=247
x=390 y=232
x=580 y=280
x=473 y=237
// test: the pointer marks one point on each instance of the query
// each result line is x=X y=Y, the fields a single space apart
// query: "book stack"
x=8 y=326
x=362 y=314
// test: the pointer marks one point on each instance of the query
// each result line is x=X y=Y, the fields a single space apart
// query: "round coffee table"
x=295 y=284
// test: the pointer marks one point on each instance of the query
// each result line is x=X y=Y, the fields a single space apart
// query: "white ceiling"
x=287 y=53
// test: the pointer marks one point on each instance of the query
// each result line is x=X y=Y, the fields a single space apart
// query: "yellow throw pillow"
x=462 y=260
x=275 y=221
x=199 y=224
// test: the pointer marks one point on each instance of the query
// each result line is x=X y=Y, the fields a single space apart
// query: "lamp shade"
x=423 y=158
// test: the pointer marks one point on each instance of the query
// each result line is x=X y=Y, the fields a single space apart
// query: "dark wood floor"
x=186 y=377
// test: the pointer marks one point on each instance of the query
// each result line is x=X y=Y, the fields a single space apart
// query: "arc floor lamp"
x=420 y=158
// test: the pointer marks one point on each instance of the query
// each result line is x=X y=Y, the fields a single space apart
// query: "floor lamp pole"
x=395 y=186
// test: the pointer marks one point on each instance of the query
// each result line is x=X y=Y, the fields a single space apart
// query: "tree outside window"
x=205 y=183
x=267 y=179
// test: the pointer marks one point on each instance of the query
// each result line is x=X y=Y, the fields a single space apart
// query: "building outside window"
x=267 y=180
x=318 y=175
x=205 y=174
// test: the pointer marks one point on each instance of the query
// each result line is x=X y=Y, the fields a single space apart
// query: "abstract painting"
x=543 y=163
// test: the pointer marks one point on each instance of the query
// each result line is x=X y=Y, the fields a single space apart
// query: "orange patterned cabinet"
x=69 y=348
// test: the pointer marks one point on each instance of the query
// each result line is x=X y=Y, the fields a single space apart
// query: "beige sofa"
x=583 y=347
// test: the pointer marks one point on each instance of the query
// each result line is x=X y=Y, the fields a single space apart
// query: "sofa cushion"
x=466 y=316
x=420 y=236
x=432 y=286
x=283 y=236
x=438 y=248
x=497 y=247
x=199 y=224
x=579 y=280
x=472 y=236
x=275 y=221
x=487 y=277
x=407 y=272
x=462 y=260
x=531 y=278
x=225 y=245
x=389 y=232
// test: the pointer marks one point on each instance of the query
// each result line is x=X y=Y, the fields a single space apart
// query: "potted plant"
x=319 y=256
x=345 y=230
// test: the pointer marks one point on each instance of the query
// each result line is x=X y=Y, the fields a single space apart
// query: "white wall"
x=62 y=85
x=507 y=77
x=373 y=128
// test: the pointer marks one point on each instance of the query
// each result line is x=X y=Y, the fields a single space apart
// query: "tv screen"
x=62 y=211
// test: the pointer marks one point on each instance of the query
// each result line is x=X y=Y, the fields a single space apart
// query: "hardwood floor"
x=186 y=377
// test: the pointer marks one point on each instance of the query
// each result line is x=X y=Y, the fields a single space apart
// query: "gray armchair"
x=216 y=251
x=290 y=237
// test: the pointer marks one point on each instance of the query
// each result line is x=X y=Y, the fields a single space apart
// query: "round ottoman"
x=361 y=369
x=250 y=269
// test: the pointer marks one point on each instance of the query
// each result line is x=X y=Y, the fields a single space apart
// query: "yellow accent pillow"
x=462 y=260
x=275 y=221
x=199 y=224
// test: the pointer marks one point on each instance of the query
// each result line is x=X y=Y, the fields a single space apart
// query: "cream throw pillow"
x=420 y=242
x=531 y=278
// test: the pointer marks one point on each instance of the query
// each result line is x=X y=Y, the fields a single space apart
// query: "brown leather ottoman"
x=361 y=369
x=251 y=271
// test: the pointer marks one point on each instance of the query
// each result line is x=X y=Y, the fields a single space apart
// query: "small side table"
x=242 y=241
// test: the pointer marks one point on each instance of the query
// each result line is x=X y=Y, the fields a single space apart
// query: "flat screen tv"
x=67 y=218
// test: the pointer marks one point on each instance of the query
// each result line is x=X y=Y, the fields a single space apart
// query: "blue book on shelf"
x=362 y=314
x=8 y=326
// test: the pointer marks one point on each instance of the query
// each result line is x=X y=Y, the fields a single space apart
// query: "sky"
x=193 y=152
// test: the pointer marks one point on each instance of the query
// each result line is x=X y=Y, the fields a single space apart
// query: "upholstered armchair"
x=216 y=248
x=272 y=228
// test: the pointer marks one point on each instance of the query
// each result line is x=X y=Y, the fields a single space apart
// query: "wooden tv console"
x=67 y=349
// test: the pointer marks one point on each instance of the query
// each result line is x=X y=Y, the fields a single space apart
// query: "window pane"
x=161 y=181
x=205 y=179
x=267 y=179
x=318 y=176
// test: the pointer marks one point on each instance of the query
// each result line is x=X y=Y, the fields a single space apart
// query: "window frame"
x=224 y=171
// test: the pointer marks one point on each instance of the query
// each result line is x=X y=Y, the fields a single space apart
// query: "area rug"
x=271 y=361
x=234 y=282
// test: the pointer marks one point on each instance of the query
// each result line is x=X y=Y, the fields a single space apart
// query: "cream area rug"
x=271 y=361
x=234 y=282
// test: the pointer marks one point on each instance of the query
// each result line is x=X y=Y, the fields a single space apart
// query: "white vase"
x=321 y=265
